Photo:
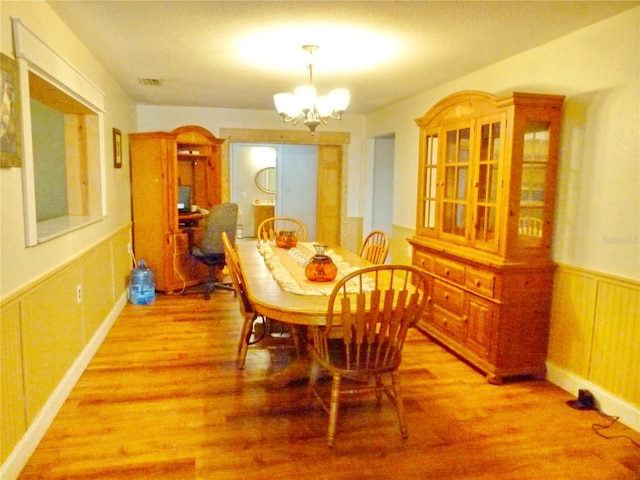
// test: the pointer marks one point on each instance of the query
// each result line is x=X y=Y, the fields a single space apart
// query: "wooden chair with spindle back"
x=375 y=247
x=269 y=228
x=369 y=314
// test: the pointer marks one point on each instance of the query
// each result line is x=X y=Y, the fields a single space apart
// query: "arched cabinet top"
x=195 y=134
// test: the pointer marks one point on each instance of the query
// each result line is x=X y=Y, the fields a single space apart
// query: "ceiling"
x=237 y=54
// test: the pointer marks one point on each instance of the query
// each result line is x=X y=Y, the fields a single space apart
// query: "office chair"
x=210 y=249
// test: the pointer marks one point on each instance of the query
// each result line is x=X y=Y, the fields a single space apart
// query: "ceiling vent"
x=149 y=82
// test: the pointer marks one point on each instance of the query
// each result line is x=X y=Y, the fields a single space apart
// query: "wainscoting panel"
x=52 y=336
x=595 y=333
x=122 y=261
x=615 y=363
x=571 y=330
x=399 y=251
x=98 y=287
x=12 y=421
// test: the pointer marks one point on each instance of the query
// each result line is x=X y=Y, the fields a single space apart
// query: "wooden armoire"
x=160 y=163
x=486 y=191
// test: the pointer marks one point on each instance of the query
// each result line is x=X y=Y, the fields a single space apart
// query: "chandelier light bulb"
x=305 y=98
x=304 y=104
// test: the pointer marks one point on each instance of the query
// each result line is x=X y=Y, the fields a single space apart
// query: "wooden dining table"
x=269 y=299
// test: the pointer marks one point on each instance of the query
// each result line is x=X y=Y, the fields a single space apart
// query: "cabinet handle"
x=477 y=282
x=465 y=318
x=446 y=296
x=446 y=272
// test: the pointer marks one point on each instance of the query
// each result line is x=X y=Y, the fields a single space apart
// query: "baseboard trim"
x=18 y=458
x=605 y=401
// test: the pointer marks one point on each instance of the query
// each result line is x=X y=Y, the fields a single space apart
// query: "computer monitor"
x=184 y=199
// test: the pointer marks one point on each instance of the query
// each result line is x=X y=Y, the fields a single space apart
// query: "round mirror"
x=266 y=180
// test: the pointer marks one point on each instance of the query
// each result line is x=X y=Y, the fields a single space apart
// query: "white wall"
x=598 y=206
x=21 y=265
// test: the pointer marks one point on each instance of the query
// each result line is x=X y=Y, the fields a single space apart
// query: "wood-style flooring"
x=162 y=399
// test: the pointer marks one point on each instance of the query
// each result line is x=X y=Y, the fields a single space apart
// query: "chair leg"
x=379 y=388
x=333 y=410
x=295 y=335
x=399 y=404
x=243 y=345
x=314 y=374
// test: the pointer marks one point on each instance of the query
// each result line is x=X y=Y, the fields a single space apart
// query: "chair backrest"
x=237 y=280
x=372 y=310
x=221 y=218
x=375 y=247
x=530 y=226
x=268 y=229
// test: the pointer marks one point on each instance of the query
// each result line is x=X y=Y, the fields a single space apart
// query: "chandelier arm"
x=295 y=120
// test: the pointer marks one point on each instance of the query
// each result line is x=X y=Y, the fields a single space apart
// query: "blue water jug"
x=142 y=290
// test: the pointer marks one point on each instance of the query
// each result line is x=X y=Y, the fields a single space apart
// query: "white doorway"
x=382 y=187
x=296 y=182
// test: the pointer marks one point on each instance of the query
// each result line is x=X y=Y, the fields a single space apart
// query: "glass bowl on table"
x=286 y=238
x=320 y=267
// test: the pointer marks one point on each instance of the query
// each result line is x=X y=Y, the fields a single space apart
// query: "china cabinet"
x=486 y=189
x=161 y=162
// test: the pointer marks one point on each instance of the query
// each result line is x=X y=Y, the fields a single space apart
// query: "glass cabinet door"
x=490 y=155
x=456 y=181
x=429 y=177
x=534 y=173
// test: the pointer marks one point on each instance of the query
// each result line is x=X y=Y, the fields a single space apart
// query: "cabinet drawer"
x=423 y=260
x=447 y=297
x=449 y=270
x=480 y=281
x=453 y=325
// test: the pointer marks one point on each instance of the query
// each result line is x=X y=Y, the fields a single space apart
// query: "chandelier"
x=304 y=105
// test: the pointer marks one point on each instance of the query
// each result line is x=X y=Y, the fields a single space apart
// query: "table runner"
x=287 y=268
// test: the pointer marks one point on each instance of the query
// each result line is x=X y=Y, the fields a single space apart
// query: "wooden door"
x=329 y=197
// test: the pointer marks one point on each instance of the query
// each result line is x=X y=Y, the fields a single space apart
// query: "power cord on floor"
x=597 y=428
x=586 y=401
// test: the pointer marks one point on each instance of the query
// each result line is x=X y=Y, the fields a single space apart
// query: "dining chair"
x=375 y=247
x=246 y=308
x=369 y=313
x=530 y=226
x=269 y=228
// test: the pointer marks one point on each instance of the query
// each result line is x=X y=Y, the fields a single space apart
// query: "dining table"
x=276 y=287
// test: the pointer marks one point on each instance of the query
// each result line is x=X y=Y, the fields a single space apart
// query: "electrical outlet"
x=79 y=293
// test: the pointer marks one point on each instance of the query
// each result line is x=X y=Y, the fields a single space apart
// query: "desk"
x=271 y=301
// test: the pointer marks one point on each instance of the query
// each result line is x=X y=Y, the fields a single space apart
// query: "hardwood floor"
x=162 y=399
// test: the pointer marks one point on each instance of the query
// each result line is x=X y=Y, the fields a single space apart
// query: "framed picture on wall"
x=10 y=114
x=117 y=148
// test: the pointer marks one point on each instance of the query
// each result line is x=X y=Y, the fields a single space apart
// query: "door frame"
x=250 y=135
